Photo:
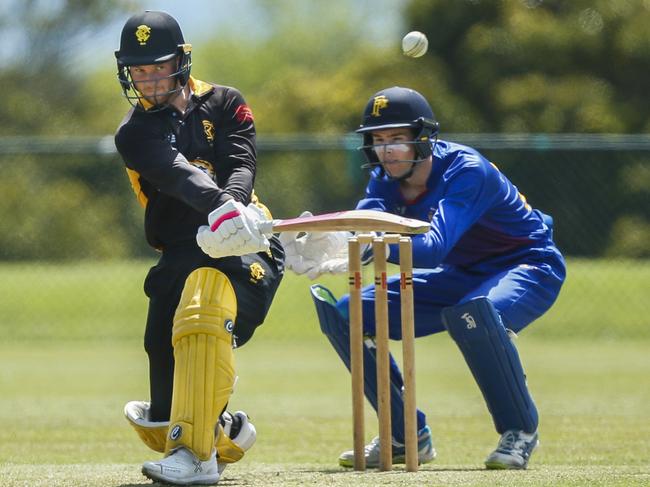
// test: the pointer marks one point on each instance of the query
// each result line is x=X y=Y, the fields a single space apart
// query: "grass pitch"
x=62 y=422
x=71 y=356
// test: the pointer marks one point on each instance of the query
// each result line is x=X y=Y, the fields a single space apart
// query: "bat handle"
x=266 y=227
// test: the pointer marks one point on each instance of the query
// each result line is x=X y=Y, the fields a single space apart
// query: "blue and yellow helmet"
x=398 y=107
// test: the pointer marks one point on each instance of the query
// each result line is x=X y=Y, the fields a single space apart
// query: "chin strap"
x=404 y=176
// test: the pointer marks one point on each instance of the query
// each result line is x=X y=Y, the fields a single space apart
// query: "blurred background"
x=555 y=93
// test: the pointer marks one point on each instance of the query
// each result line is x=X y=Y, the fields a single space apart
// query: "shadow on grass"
x=149 y=483
x=334 y=471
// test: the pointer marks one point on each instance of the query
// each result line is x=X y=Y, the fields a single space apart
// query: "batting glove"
x=233 y=231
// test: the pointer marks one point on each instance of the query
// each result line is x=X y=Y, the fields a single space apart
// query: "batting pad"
x=204 y=372
x=228 y=450
x=152 y=433
x=337 y=330
x=477 y=329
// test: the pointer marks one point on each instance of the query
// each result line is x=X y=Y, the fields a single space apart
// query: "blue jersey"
x=486 y=245
x=477 y=215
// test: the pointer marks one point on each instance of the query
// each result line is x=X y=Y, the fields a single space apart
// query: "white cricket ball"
x=415 y=44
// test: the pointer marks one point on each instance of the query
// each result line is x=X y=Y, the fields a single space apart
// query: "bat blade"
x=350 y=220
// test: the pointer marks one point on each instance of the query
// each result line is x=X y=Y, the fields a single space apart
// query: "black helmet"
x=398 y=107
x=150 y=38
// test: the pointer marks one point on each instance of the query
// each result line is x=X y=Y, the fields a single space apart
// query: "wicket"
x=381 y=338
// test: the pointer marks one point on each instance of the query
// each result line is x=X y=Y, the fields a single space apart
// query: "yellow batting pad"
x=154 y=438
x=153 y=434
x=204 y=372
x=227 y=450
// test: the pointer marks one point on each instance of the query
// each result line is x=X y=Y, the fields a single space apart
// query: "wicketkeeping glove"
x=315 y=253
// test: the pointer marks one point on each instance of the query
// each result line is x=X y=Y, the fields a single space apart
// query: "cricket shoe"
x=239 y=429
x=182 y=467
x=426 y=452
x=513 y=451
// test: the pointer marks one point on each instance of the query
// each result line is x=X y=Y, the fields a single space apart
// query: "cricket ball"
x=415 y=44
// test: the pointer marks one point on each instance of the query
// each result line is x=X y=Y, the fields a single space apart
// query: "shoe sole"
x=194 y=481
x=503 y=466
x=399 y=460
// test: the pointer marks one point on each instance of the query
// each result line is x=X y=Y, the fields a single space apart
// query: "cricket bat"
x=350 y=220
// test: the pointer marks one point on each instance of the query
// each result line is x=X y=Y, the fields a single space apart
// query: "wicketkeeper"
x=189 y=150
x=486 y=269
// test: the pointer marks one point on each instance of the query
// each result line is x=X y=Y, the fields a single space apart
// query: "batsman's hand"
x=315 y=253
x=233 y=231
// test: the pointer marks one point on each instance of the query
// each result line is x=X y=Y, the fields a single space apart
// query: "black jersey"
x=183 y=166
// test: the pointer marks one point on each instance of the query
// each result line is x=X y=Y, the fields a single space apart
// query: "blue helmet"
x=398 y=107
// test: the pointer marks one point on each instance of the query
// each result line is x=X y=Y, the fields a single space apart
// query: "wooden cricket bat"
x=350 y=220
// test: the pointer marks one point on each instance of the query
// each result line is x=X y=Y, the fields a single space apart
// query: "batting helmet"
x=398 y=107
x=151 y=38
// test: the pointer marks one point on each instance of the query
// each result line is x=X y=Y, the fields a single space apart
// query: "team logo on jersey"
x=243 y=114
x=257 y=273
x=171 y=138
x=380 y=102
x=208 y=130
x=142 y=34
x=204 y=166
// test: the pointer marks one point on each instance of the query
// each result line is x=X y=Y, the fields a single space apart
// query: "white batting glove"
x=233 y=230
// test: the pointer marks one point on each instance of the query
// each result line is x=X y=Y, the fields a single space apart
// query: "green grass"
x=85 y=301
x=602 y=299
x=62 y=423
x=71 y=356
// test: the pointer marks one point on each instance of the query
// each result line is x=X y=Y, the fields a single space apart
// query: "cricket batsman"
x=486 y=269
x=189 y=151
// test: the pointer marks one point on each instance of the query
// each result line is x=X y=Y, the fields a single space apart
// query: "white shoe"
x=240 y=430
x=513 y=451
x=182 y=467
x=426 y=451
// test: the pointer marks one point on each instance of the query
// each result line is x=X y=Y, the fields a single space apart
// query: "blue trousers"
x=520 y=293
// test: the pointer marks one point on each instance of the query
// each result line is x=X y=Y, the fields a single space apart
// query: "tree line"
x=492 y=66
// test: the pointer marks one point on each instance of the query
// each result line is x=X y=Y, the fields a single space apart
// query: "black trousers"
x=164 y=285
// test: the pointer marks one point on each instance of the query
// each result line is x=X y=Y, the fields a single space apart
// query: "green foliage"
x=630 y=237
x=514 y=65
x=73 y=208
x=46 y=80
x=551 y=66
x=510 y=65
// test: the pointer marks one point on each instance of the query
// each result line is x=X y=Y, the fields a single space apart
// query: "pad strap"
x=337 y=330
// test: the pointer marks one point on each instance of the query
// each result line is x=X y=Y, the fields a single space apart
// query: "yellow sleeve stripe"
x=134 y=177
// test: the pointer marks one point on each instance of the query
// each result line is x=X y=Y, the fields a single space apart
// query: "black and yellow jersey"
x=183 y=166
